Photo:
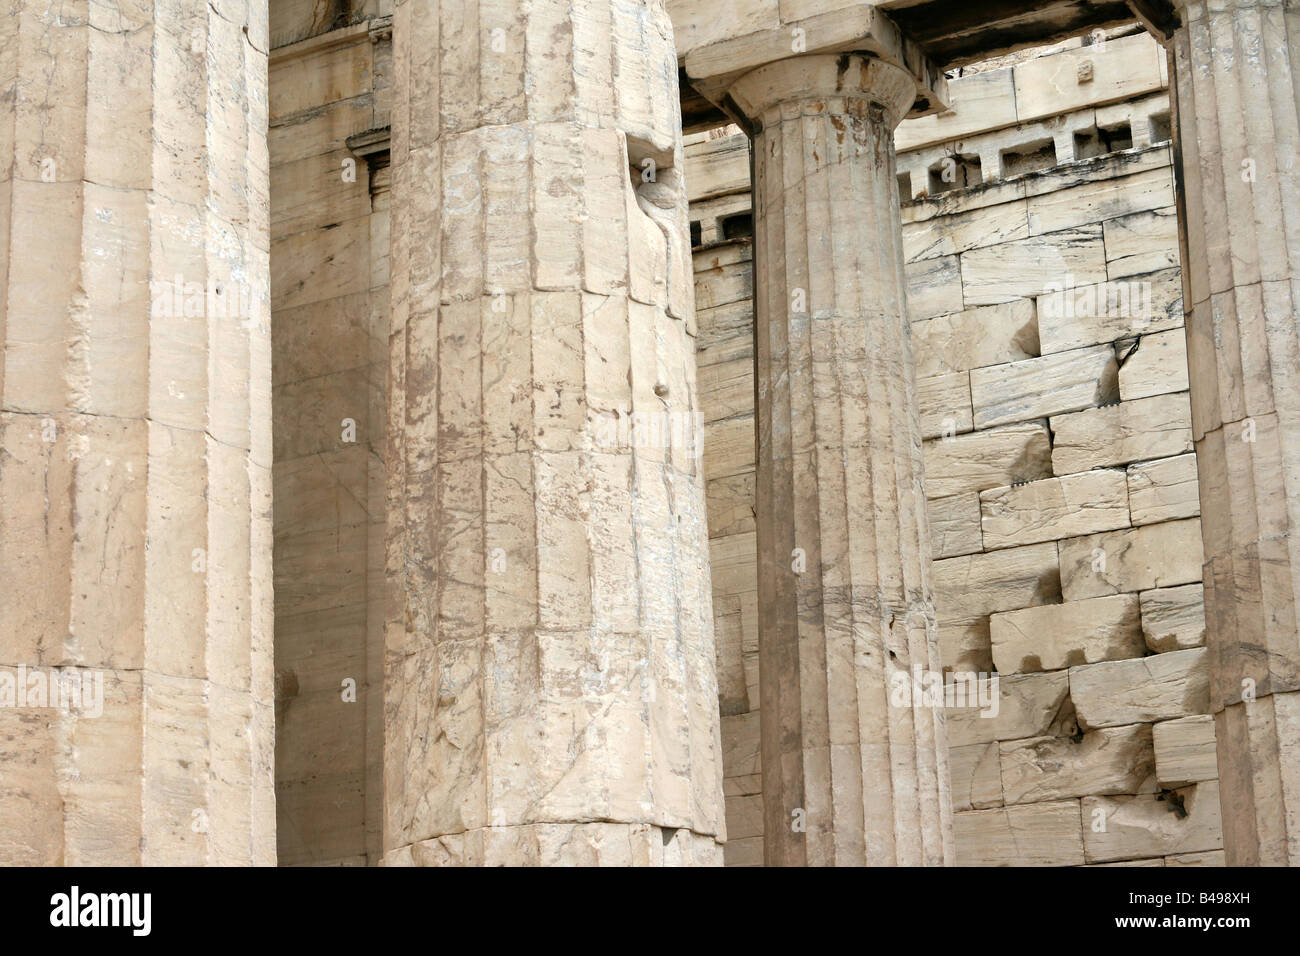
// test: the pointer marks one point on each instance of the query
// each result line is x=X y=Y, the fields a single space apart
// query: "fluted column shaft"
x=135 y=424
x=1234 y=66
x=550 y=694
x=843 y=548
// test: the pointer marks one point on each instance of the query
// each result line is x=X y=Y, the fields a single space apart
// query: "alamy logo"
x=181 y=299
x=102 y=909
x=71 y=690
x=961 y=689
x=1120 y=300
x=626 y=429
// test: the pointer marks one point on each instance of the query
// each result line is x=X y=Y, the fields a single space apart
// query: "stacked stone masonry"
x=1059 y=466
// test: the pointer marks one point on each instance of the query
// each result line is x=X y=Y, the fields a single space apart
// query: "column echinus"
x=853 y=773
x=1234 y=64
x=550 y=687
x=137 y=718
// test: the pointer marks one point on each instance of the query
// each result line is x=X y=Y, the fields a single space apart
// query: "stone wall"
x=1059 y=464
x=329 y=282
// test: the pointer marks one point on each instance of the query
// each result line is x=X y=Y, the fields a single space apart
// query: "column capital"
x=778 y=54
x=823 y=77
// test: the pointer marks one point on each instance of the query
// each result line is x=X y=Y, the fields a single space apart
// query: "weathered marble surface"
x=1149 y=825
x=1043 y=834
x=1161 y=687
x=843 y=543
x=550 y=679
x=1174 y=618
x=1185 y=751
x=987 y=459
x=1061 y=635
x=1107 y=761
x=135 y=432
x=1234 y=65
x=1054 y=508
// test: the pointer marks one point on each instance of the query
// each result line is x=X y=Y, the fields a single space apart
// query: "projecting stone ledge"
x=1185 y=751
x=1173 y=619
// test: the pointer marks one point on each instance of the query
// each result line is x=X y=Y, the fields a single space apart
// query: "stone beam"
x=1159 y=17
x=956 y=32
x=948 y=33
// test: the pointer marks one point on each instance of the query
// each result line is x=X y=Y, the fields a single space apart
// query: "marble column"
x=849 y=777
x=1234 y=66
x=550 y=694
x=136 y=713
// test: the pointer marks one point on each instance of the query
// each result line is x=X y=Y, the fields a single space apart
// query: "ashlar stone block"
x=1064 y=635
x=1157 y=427
x=1054 y=508
x=1150 y=825
x=1185 y=751
x=1173 y=619
x=1106 y=761
x=987 y=459
x=1038 y=834
x=1137 y=559
x=1161 y=687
